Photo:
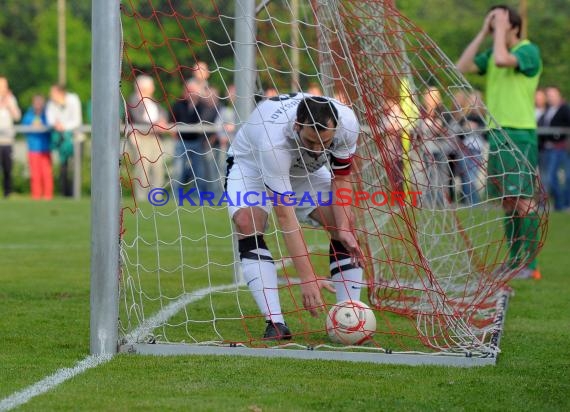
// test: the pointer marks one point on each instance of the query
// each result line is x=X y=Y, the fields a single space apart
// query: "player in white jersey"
x=294 y=146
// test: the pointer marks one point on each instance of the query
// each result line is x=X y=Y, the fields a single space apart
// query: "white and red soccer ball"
x=350 y=322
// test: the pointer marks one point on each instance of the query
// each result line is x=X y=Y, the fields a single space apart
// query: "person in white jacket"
x=63 y=112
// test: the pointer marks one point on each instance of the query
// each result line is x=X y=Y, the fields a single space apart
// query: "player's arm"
x=297 y=248
x=343 y=214
x=275 y=166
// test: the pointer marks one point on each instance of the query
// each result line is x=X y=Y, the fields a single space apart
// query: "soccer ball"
x=350 y=322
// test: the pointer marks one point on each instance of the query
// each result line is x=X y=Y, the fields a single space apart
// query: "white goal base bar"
x=381 y=358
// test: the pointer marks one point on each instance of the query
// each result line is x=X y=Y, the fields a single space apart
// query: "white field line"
x=172 y=309
x=46 y=384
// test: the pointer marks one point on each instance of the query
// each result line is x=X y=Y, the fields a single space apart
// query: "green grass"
x=44 y=300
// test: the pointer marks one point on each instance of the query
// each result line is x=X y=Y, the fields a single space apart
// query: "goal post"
x=164 y=262
x=105 y=203
x=245 y=34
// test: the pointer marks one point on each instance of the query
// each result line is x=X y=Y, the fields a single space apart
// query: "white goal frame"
x=105 y=193
x=105 y=207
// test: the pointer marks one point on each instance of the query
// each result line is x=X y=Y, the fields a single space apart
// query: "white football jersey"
x=268 y=143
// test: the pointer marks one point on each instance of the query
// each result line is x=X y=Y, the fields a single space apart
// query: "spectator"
x=228 y=115
x=209 y=116
x=217 y=141
x=469 y=126
x=437 y=146
x=147 y=120
x=539 y=103
x=63 y=113
x=513 y=66
x=193 y=154
x=39 y=149
x=9 y=113
x=556 y=147
x=392 y=123
x=314 y=89
x=228 y=122
x=201 y=75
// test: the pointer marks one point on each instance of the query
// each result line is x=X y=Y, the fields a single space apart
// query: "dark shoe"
x=276 y=331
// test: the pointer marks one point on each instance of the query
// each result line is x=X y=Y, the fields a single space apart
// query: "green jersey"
x=510 y=90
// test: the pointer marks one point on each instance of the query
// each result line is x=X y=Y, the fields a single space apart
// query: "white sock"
x=261 y=278
x=347 y=282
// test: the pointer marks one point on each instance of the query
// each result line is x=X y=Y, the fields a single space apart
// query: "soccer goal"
x=165 y=273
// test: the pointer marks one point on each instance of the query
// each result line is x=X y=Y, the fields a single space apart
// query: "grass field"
x=44 y=300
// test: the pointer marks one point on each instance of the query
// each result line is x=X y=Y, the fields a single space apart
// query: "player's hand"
x=488 y=22
x=351 y=244
x=312 y=299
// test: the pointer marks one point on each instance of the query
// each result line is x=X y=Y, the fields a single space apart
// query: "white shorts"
x=245 y=188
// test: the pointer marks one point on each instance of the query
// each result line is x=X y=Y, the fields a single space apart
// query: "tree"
x=28 y=47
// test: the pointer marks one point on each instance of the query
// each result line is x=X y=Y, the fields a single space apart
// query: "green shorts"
x=513 y=166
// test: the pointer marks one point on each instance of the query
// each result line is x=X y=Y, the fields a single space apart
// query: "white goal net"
x=428 y=219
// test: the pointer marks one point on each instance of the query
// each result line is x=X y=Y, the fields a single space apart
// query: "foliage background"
x=28 y=37
x=28 y=47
